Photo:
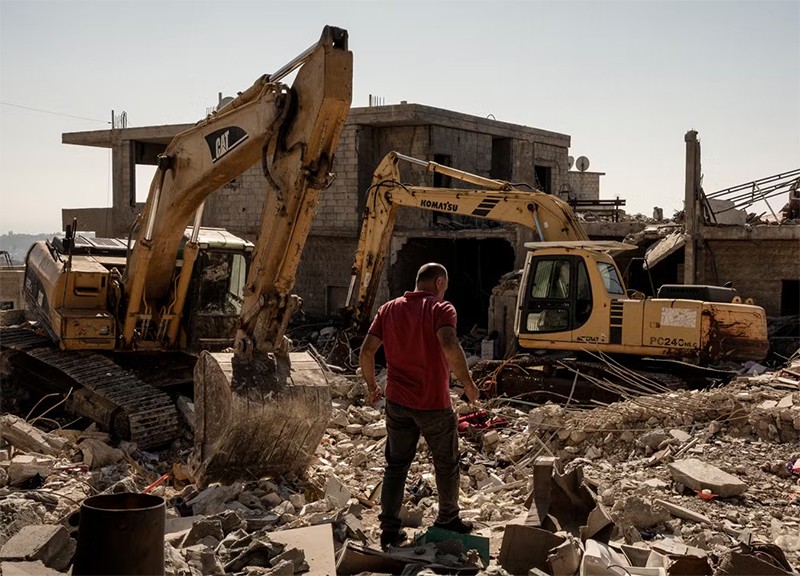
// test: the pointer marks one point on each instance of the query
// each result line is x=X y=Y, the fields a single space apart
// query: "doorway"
x=474 y=267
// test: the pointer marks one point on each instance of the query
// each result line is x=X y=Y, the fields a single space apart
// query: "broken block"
x=525 y=547
x=337 y=491
x=565 y=559
x=698 y=475
x=41 y=542
x=27 y=569
x=25 y=467
x=28 y=438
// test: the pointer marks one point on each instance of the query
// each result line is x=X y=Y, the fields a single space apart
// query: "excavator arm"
x=293 y=132
x=549 y=217
x=264 y=409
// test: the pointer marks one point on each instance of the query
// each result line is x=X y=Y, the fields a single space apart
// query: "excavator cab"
x=216 y=291
x=567 y=290
x=560 y=294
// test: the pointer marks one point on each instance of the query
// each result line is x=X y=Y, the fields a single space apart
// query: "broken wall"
x=758 y=268
x=11 y=282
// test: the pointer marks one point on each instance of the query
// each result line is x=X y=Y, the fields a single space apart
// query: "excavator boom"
x=292 y=132
x=548 y=216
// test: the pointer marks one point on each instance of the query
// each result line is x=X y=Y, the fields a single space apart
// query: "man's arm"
x=457 y=360
x=366 y=360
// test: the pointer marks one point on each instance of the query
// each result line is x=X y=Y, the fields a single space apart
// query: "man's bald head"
x=432 y=277
x=431 y=271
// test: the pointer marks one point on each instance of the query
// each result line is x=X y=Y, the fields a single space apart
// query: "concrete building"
x=476 y=252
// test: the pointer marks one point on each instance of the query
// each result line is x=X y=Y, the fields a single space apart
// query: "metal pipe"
x=458 y=174
x=151 y=217
x=287 y=69
x=538 y=224
x=198 y=216
x=350 y=290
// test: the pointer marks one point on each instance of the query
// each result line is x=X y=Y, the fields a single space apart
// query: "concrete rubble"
x=682 y=482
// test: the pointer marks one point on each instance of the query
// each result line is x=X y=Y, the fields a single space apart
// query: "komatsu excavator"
x=572 y=296
x=184 y=288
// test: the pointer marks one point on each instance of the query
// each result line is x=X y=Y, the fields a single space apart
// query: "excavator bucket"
x=258 y=417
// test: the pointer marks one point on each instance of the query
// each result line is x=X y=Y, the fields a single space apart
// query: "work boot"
x=457 y=525
x=391 y=539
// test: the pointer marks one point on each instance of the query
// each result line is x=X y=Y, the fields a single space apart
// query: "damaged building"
x=717 y=241
x=476 y=252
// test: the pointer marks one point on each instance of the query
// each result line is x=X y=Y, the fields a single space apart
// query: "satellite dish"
x=224 y=102
x=582 y=163
x=570 y=161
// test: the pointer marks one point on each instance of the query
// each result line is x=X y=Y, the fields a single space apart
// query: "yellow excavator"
x=180 y=287
x=572 y=296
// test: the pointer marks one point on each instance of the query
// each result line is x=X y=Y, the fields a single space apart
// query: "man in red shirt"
x=418 y=334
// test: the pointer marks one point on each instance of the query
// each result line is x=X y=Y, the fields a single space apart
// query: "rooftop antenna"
x=582 y=163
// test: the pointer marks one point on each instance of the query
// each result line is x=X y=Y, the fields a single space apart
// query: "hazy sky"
x=625 y=80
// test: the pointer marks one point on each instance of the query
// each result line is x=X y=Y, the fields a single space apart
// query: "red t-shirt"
x=418 y=374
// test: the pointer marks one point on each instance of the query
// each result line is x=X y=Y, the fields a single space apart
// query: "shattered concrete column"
x=692 y=214
x=123 y=185
x=524 y=159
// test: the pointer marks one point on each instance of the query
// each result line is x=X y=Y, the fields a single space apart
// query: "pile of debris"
x=682 y=482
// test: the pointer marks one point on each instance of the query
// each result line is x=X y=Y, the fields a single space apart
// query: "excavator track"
x=142 y=414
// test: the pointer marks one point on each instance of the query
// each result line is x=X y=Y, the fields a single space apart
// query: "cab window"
x=583 y=298
x=559 y=295
x=551 y=279
x=221 y=283
x=548 y=302
x=610 y=278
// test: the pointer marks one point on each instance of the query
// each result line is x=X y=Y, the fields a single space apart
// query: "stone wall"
x=582 y=186
x=324 y=274
x=756 y=268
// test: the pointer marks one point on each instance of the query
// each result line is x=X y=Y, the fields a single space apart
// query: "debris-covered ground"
x=685 y=482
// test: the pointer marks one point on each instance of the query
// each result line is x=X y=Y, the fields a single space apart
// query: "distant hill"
x=17 y=245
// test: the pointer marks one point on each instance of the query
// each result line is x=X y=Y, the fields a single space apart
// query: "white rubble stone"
x=375 y=430
x=284 y=507
x=298 y=501
x=680 y=435
x=26 y=466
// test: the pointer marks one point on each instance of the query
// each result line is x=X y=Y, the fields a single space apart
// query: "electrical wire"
x=53 y=113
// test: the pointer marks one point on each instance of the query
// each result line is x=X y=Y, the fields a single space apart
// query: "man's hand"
x=374 y=393
x=471 y=391
x=367 y=364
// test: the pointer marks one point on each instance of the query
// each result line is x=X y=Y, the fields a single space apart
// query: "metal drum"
x=121 y=534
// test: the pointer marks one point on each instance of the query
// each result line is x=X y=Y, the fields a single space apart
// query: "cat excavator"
x=571 y=296
x=180 y=288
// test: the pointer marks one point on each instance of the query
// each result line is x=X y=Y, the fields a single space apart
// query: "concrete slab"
x=37 y=542
x=699 y=475
x=525 y=547
x=317 y=544
x=27 y=569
